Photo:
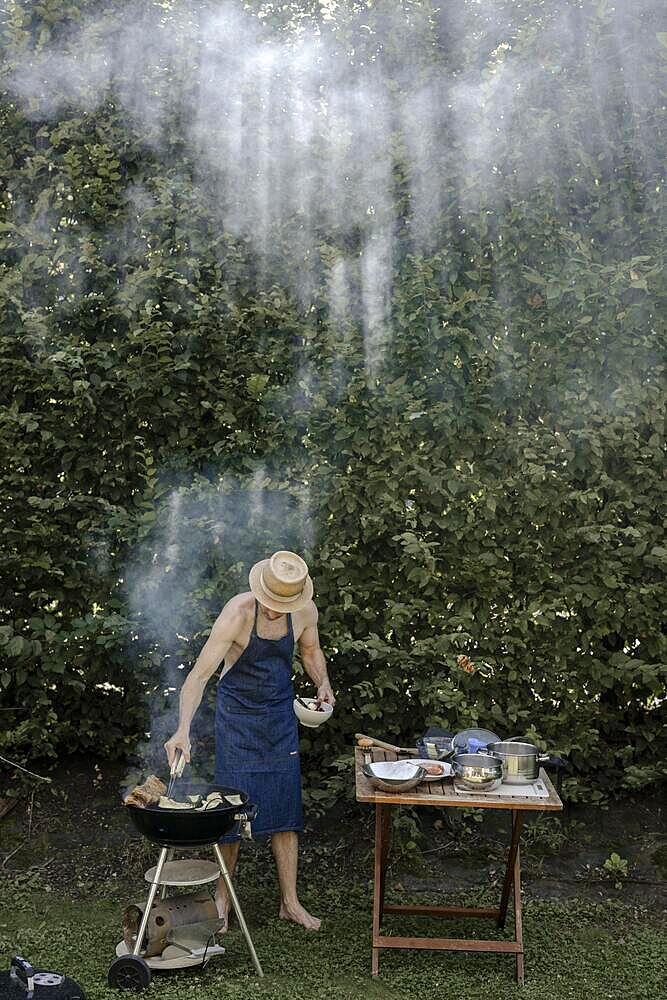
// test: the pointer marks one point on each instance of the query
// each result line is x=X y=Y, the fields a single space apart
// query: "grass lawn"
x=71 y=863
x=575 y=949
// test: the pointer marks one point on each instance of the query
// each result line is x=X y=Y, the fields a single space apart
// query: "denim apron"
x=256 y=733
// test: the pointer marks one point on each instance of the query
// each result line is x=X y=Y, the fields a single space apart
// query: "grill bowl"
x=188 y=827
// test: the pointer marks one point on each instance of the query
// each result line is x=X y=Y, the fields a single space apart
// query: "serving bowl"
x=480 y=772
x=394 y=775
x=312 y=717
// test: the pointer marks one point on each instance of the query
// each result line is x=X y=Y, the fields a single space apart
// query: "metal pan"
x=380 y=775
x=522 y=761
x=478 y=772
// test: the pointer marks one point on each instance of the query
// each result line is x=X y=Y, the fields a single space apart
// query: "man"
x=256 y=730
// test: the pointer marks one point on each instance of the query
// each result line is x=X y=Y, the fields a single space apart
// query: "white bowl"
x=310 y=717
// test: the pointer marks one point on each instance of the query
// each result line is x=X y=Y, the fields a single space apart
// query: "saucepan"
x=521 y=761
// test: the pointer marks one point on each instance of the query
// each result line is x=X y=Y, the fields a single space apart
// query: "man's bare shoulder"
x=243 y=603
x=236 y=612
x=309 y=614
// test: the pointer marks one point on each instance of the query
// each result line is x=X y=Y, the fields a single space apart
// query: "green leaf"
x=256 y=384
x=15 y=646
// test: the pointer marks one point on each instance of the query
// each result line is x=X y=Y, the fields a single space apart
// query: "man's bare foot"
x=296 y=913
x=222 y=906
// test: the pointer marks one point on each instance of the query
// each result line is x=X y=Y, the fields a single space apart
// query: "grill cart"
x=179 y=932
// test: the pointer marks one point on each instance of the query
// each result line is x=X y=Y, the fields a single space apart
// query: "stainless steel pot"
x=521 y=761
x=479 y=772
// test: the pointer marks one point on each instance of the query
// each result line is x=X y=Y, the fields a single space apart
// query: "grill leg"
x=237 y=909
x=163 y=888
x=152 y=892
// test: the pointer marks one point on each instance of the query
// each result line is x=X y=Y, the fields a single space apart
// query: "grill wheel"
x=130 y=973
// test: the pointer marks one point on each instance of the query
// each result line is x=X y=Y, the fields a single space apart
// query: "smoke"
x=294 y=136
x=333 y=149
x=195 y=558
x=376 y=262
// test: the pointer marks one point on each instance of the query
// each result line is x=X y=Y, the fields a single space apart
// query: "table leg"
x=382 y=846
x=386 y=848
x=517 y=824
x=518 y=924
x=511 y=885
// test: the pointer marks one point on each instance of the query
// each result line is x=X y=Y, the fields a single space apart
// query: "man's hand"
x=179 y=741
x=324 y=693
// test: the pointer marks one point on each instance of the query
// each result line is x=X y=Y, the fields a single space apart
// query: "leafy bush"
x=491 y=484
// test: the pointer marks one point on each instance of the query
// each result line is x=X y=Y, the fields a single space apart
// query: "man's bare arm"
x=216 y=647
x=313 y=660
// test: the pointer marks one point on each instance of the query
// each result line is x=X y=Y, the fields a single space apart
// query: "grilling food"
x=147 y=794
x=199 y=803
x=153 y=792
x=234 y=800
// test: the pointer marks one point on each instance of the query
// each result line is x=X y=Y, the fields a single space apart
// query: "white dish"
x=310 y=717
x=394 y=770
x=426 y=763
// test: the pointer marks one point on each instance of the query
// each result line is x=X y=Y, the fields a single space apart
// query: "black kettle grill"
x=22 y=982
x=172 y=830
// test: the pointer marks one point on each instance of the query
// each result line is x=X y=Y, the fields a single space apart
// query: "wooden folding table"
x=441 y=793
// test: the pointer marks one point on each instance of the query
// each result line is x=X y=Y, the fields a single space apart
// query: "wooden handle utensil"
x=366 y=742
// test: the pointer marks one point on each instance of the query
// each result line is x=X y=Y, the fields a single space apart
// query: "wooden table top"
x=441 y=793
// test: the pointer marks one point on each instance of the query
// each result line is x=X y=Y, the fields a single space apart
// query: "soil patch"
x=74 y=835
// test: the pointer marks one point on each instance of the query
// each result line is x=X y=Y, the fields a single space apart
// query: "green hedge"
x=490 y=482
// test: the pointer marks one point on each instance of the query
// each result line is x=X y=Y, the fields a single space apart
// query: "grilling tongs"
x=177 y=769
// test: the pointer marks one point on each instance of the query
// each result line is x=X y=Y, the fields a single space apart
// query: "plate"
x=425 y=762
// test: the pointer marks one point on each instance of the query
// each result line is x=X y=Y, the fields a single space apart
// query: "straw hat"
x=281 y=583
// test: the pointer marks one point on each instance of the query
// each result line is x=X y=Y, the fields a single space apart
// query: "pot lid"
x=471 y=740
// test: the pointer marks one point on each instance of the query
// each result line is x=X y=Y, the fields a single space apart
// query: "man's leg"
x=285 y=848
x=230 y=853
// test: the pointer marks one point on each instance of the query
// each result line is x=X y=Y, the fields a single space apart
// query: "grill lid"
x=22 y=982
